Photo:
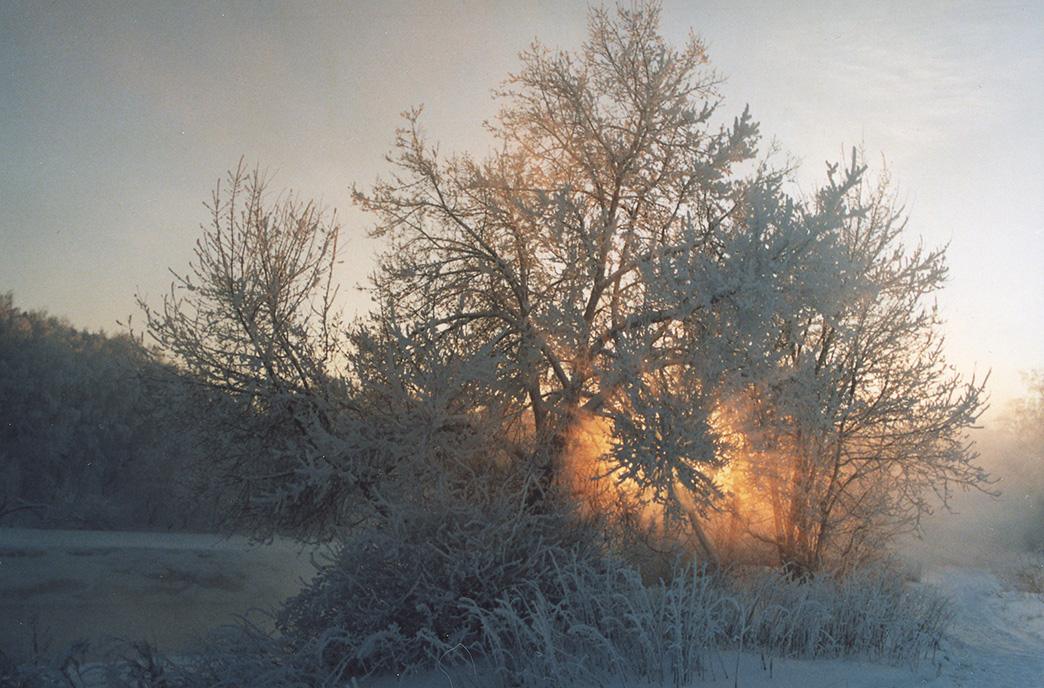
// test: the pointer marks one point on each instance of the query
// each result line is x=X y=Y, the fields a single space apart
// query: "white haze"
x=981 y=528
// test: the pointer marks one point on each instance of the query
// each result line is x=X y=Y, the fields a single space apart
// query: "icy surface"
x=166 y=588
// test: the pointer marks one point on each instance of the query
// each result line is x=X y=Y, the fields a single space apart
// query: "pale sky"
x=117 y=118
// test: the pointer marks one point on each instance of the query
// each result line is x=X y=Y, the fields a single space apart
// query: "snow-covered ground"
x=997 y=638
x=167 y=588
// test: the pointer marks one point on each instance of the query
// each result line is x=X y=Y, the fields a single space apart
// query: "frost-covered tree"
x=863 y=421
x=254 y=316
x=620 y=255
x=623 y=259
x=254 y=331
x=86 y=437
x=314 y=420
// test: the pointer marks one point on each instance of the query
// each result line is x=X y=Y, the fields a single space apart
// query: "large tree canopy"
x=623 y=258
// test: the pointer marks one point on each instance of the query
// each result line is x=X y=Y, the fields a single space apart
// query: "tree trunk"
x=701 y=537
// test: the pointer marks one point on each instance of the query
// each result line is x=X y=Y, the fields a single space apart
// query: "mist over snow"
x=982 y=529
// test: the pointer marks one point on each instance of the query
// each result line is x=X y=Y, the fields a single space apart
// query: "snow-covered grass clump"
x=609 y=625
x=873 y=612
x=534 y=597
x=399 y=598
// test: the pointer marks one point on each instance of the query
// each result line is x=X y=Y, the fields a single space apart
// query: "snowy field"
x=60 y=586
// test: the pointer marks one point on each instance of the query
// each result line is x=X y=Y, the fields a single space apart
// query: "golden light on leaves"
x=736 y=524
x=588 y=470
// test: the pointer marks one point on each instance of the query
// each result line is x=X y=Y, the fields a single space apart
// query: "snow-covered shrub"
x=72 y=667
x=870 y=613
x=242 y=655
x=468 y=587
x=399 y=597
x=608 y=625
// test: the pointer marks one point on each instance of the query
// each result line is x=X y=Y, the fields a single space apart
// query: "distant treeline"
x=90 y=436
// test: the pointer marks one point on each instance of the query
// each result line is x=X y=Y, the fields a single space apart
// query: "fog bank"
x=980 y=528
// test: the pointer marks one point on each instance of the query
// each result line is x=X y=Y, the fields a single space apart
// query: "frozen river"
x=166 y=588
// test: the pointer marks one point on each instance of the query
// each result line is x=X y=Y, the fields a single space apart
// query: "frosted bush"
x=608 y=625
x=872 y=613
x=393 y=599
